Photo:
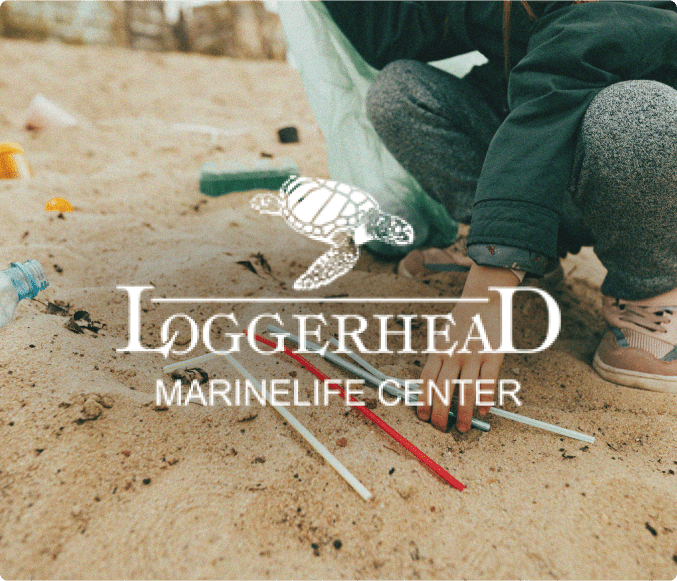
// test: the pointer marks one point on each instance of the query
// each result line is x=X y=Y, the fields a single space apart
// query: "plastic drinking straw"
x=369 y=373
x=421 y=456
x=298 y=426
x=543 y=425
x=392 y=390
x=362 y=362
x=399 y=392
x=495 y=411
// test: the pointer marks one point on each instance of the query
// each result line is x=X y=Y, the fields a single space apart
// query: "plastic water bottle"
x=21 y=281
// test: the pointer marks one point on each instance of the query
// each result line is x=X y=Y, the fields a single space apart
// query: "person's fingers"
x=489 y=372
x=466 y=395
x=430 y=373
x=445 y=384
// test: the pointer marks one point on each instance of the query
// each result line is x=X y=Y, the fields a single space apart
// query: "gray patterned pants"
x=623 y=193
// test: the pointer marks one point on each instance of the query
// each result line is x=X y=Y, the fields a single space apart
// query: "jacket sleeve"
x=383 y=32
x=574 y=52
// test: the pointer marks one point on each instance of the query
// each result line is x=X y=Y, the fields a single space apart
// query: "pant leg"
x=437 y=126
x=627 y=186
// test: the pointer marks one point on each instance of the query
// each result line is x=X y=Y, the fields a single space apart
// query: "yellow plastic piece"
x=58 y=205
x=13 y=166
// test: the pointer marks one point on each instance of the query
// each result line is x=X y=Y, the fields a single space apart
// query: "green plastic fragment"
x=218 y=180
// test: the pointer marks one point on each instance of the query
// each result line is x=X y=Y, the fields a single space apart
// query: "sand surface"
x=96 y=483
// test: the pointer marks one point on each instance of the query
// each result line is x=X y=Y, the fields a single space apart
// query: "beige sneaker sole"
x=660 y=383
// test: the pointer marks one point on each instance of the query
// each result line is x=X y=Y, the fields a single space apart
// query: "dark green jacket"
x=560 y=63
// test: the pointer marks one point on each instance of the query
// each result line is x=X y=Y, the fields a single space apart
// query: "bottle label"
x=23 y=282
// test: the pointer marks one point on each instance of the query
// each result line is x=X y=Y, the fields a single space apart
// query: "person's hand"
x=469 y=365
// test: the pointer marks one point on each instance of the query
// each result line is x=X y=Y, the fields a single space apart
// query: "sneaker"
x=639 y=349
x=421 y=262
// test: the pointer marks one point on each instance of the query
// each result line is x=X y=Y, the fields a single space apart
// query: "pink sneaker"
x=421 y=262
x=639 y=349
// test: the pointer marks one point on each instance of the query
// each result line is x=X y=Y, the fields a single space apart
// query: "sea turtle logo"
x=337 y=214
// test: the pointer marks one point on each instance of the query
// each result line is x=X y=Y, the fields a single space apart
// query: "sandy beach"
x=97 y=482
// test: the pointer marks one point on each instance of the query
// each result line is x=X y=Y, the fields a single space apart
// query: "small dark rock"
x=288 y=134
x=650 y=529
x=337 y=544
x=391 y=471
x=146 y=481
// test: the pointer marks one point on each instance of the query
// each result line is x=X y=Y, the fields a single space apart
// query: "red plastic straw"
x=422 y=457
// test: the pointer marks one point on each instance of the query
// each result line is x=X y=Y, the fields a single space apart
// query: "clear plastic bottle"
x=21 y=281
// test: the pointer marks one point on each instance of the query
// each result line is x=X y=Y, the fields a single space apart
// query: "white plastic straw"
x=298 y=426
x=392 y=390
x=369 y=373
x=542 y=425
x=372 y=374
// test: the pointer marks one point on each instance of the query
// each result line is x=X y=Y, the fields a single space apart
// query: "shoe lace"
x=650 y=318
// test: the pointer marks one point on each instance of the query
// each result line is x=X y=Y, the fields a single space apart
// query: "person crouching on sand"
x=566 y=138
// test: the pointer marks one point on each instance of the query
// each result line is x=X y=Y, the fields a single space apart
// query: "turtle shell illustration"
x=336 y=214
